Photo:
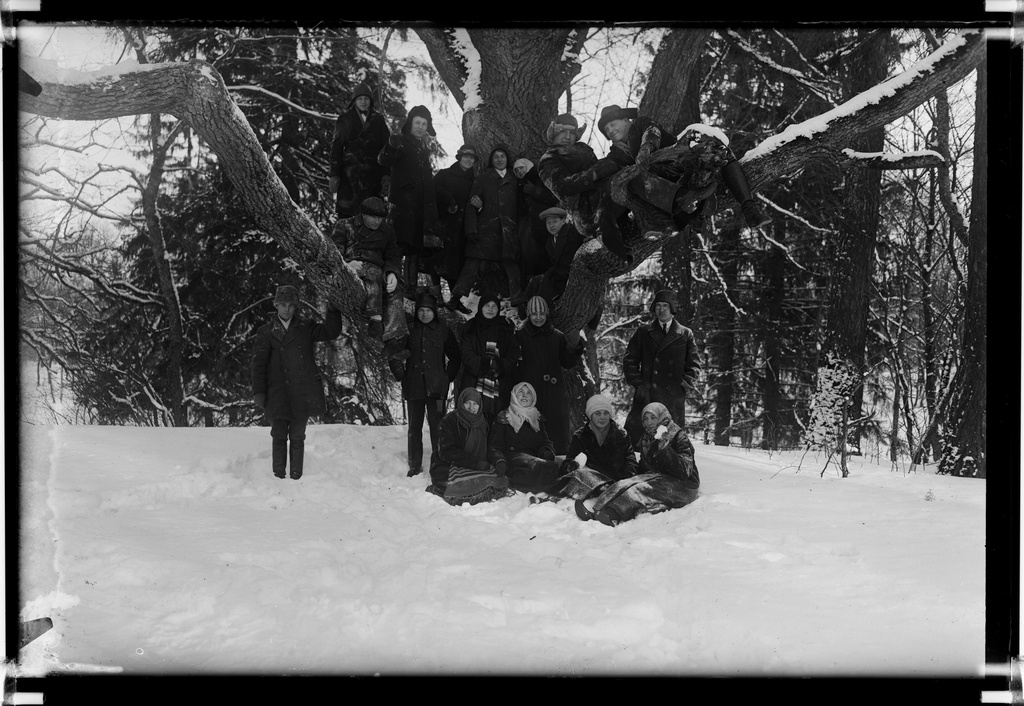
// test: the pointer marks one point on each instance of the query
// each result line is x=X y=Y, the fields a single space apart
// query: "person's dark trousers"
x=284 y=431
x=433 y=409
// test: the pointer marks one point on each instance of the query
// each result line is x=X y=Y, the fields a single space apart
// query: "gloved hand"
x=476 y=201
x=335 y=183
x=395 y=140
x=500 y=466
x=569 y=465
x=260 y=400
x=391 y=282
x=604 y=168
x=643 y=157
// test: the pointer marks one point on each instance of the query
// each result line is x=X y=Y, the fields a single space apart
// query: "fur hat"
x=553 y=212
x=466 y=149
x=666 y=295
x=537 y=305
x=599 y=402
x=426 y=299
x=563 y=122
x=419 y=111
x=614 y=112
x=373 y=206
x=363 y=89
x=286 y=294
x=522 y=162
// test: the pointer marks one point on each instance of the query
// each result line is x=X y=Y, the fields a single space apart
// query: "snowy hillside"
x=161 y=551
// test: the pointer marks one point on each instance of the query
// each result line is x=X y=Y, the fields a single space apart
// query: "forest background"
x=855 y=322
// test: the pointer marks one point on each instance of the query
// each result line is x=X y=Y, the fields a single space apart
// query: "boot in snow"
x=295 y=451
x=279 y=457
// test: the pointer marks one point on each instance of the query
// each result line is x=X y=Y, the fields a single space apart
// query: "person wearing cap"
x=492 y=236
x=286 y=383
x=359 y=135
x=490 y=355
x=661 y=362
x=668 y=477
x=412 y=196
x=603 y=443
x=461 y=472
x=635 y=138
x=369 y=243
x=561 y=248
x=519 y=446
x=534 y=198
x=426 y=375
x=452 y=187
x=546 y=356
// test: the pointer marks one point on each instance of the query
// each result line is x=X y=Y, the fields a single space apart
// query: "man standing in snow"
x=661 y=362
x=286 y=383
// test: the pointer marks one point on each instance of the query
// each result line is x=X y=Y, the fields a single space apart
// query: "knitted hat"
x=363 y=89
x=466 y=149
x=522 y=162
x=553 y=212
x=563 y=122
x=426 y=299
x=666 y=295
x=599 y=402
x=286 y=294
x=418 y=111
x=537 y=305
x=614 y=112
x=373 y=206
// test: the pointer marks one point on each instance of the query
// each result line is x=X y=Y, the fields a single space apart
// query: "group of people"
x=509 y=429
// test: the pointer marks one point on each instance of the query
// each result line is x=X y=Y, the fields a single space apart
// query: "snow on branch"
x=282 y=99
x=921 y=159
x=718 y=274
x=462 y=45
x=826 y=90
x=571 y=52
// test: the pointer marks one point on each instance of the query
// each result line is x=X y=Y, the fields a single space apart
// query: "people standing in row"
x=286 y=383
x=359 y=135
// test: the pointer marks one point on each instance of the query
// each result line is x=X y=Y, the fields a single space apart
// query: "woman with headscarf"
x=519 y=445
x=668 y=475
x=490 y=356
x=460 y=472
x=546 y=358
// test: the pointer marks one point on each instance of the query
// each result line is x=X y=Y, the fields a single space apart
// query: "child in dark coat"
x=370 y=245
x=286 y=384
x=519 y=445
x=490 y=356
x=431 y=366
x=460 y=472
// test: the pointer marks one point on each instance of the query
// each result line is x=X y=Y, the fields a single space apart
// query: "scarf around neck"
x=517 y=414
x=474 y=424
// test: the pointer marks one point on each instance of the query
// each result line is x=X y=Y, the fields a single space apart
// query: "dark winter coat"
x=491 y=232
x=662 y=368
x=614 y=458
x=672 y=455
x=527 y=456
x=643 y=130
x=357 y=242
x=433 y=362
x=546 y=355
x=533 y=236
x=567 y=172
x=560 y=251
x=648 y=493
x=412 y=190
x=354 y=152
x=284 y=368
x=451 y=451
x=452 y=187
x=475 y=336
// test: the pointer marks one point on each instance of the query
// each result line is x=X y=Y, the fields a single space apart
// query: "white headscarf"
x=517 y=414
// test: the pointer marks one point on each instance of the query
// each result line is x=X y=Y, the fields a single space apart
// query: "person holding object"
x=661 y=362
x=286 y=383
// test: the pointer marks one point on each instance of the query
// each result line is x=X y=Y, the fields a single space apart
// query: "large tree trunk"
x=964 y=448
x=771 y=384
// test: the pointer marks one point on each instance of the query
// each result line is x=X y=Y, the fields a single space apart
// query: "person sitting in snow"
x=668 y=476
x=520 y=448
x=673 y=194
x=460 y=471
x=433 y=361
x=490 y=356
x=286 y=383
x=604 y=445
x=369 y=243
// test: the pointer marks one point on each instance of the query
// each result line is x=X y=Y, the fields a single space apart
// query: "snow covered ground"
x=169 y=551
